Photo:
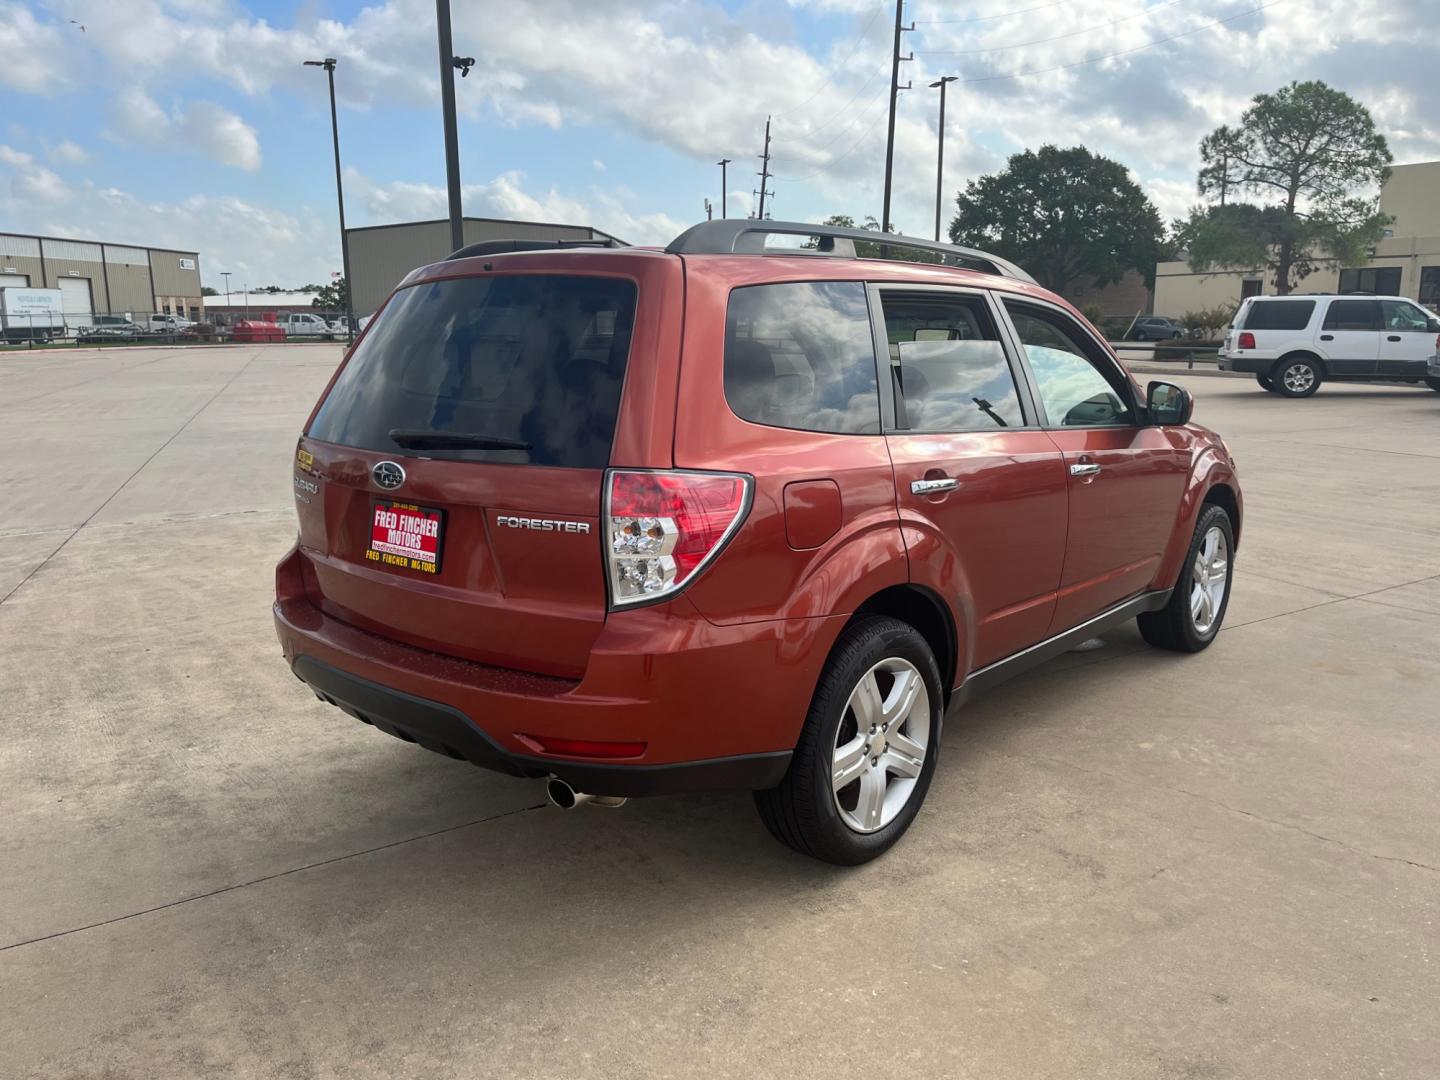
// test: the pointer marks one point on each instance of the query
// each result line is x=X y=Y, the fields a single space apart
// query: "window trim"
x=1117 y=369
x=889 y=403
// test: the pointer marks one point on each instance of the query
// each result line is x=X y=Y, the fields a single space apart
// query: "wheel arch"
x=1300 y=354
x=1221 y=494
x=928 y=614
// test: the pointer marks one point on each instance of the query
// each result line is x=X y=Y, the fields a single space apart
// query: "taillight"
x=1247 y=340
x=662 y=527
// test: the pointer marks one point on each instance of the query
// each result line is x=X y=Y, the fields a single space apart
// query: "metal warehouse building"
x=381 y=255
x=101 y=279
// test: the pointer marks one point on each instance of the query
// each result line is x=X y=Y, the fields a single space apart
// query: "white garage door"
x=14 y=281
x=75 y=301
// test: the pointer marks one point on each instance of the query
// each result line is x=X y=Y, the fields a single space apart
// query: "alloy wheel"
x=1299 y=378
x=1208 y=576
x=881 y=744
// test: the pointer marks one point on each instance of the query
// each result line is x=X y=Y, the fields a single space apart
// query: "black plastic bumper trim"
x=448 y=731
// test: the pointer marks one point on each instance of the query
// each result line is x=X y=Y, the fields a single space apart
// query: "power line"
x=1123 y=52
x=855 y=117
x=1021 y=74
x=818 y=128
x=1058 y=37
x=859 y=141
x=829 y=79
x=991 y=18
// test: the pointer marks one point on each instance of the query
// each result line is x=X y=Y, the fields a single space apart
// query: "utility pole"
x=940 y=159
x=764 y=173
x=226 y=275
x=1224 y=174
x=329 y=65
x=895 y=89
x=448 y=63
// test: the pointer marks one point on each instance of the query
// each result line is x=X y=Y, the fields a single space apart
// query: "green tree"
x=206 y=290
x=1310 y=161
x=331 y=297
x=1063 y=215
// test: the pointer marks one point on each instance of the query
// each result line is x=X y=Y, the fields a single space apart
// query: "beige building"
x=103 y=279
x=1405 y=263
x=381 y=255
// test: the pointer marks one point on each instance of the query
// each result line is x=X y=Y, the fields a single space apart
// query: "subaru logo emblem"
x=387 y=475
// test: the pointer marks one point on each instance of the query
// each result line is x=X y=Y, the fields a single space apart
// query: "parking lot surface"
x=1131 y=863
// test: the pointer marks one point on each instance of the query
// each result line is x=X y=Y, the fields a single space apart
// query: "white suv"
x=1294 y=343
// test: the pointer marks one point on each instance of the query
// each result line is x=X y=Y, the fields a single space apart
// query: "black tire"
x=1432 y=382
x=1297 y=376
x=803 y=812
x=1267 y=383
x=1140 y=336
x=1174 y=626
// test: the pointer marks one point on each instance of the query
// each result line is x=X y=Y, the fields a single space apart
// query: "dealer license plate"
x=405 y=536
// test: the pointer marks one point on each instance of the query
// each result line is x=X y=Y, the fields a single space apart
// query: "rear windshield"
x=1280 y=315
x=531 y=364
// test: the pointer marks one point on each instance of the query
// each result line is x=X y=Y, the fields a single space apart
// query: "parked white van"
x=305 y=324
x=1294 y=343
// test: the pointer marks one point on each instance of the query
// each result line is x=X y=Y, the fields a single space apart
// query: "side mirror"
x=1168 y=404
x=1434 y=327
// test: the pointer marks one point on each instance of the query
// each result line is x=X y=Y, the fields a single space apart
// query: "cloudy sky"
x=192 y=122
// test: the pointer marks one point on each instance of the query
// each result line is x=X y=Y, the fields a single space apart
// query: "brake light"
x=662 y=528
x=1247 y=340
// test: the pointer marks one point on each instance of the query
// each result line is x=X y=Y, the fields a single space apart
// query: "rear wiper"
x=453 y=440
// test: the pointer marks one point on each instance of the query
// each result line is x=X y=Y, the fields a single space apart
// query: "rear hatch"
x=449 y=485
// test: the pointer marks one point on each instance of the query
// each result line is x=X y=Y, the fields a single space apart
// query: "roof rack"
x=502 y=247
x=747 y=237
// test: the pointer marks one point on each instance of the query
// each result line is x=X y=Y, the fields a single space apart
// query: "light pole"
x=940 y=160
x=722 y=163
x=226 y=275
x=449 y=64
x=329 y=65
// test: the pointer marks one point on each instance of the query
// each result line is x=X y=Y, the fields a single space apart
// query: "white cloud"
x=222 y=135
x=66 y=152
x=202 y=126
x=32 y=56
x=31 y=182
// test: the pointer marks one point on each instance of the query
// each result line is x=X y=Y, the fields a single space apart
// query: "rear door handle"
x=1393 y=337
x=1088 y=468
x=930 y=487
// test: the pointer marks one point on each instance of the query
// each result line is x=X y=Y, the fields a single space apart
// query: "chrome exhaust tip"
x=564 y=797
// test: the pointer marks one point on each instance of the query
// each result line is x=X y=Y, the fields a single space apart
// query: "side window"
x=949 y=366
x=1353 y=315
x=1074 y=384
x=1401 y=316
x=1279 y=315
x=801 y=355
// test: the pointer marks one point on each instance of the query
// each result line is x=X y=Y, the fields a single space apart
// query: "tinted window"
x=535 y=359
x=1068 y=375
x=1403 y=317
x=800 y=355
x=950 y=369
x=1353 y=315
x=1280 y=315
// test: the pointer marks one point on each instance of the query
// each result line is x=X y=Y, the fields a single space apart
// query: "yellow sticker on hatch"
x=304 y=459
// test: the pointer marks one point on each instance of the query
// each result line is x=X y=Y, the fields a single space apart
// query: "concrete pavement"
x=1131 y=864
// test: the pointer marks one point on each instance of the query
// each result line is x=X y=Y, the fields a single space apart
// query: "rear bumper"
x=716 y=706
x=445 y=730
x=1255 y=365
